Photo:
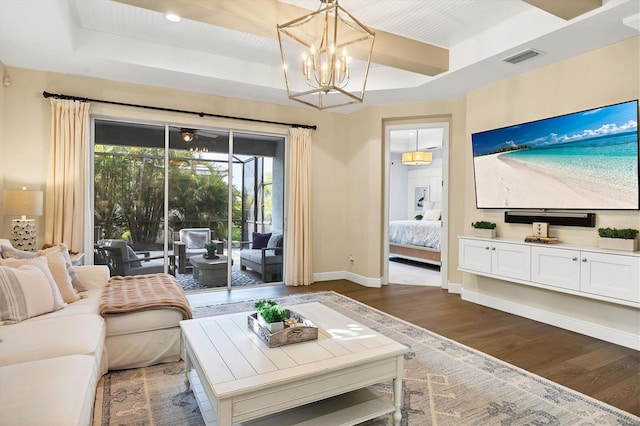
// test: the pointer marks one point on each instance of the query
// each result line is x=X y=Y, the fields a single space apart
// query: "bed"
x=416 y=240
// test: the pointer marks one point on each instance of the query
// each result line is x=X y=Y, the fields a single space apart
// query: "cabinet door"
x=475 y=256
x=611 y=275
x=556 y=267
x=511 y=260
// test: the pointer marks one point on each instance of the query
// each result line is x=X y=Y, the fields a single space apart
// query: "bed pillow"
x=75 y=279
x=259 y=240
x=433 y=214
x=27 y=291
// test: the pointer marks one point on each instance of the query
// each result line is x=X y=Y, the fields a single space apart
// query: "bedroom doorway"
x=416 y=203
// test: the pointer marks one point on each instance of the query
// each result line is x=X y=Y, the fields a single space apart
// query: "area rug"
x=446 y=383
x=238 y=278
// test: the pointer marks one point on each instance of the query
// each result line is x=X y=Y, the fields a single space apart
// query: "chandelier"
x=323 y=74
x=417 y=158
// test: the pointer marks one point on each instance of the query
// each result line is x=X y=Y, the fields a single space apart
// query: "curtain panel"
x=298 y=256
x=66 y=182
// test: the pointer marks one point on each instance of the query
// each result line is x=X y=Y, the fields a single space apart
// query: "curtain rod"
x=201 y=114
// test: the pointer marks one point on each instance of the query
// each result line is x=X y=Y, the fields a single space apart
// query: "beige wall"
x=600 y=77
x=366 y=169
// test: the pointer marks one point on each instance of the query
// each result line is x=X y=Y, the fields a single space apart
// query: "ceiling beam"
x=566 y=9
x=261 y=18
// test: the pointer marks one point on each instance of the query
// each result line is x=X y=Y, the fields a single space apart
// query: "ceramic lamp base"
x=23 y=234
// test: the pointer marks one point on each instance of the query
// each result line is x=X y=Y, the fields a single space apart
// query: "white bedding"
x=424 y=233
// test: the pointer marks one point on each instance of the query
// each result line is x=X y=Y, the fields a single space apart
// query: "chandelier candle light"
x=321 y=42
x=22 y=202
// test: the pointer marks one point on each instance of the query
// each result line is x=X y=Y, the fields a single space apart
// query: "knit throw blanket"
x=143 y=293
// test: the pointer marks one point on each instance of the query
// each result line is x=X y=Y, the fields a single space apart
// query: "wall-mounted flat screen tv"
x=585 y=160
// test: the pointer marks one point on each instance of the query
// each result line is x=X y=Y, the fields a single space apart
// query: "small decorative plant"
x=211 y=250
x=270 y=311
x=483 y=224
x=625 y=234
x=418 y=217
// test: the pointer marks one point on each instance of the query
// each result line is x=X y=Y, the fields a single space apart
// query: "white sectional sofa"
x=50 y=364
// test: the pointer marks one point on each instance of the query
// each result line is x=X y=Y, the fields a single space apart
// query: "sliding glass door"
x=205 y=208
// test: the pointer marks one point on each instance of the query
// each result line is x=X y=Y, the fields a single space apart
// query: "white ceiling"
x=116 y=41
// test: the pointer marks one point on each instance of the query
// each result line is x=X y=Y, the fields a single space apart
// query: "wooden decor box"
x=303 y=331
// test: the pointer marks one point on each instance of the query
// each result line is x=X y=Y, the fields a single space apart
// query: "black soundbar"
x=552 y=218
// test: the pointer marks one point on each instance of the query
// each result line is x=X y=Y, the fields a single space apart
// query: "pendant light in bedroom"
x=416 y=158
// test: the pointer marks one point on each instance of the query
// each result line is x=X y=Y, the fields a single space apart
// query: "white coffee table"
x=238 y=379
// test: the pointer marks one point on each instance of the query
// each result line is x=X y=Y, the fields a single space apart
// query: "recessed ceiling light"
x=172 y=17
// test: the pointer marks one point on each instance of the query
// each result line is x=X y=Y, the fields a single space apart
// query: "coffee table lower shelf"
x=343 y=410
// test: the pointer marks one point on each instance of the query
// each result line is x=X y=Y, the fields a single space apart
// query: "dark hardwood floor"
x=602 y=370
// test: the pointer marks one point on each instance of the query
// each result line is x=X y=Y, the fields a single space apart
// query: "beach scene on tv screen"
x=584 y=160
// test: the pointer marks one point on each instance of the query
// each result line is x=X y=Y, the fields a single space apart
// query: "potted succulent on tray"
x=211 y=251
x=270 y=314
x=618 y=239
x=484 y=229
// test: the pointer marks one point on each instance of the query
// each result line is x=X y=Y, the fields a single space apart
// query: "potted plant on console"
x=271 y=315
x=618 y=239
x=484 y=229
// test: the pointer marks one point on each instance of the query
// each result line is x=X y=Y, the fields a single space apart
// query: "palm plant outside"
x=129 y=193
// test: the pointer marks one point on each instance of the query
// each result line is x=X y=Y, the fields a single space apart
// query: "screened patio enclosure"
x=168 y=191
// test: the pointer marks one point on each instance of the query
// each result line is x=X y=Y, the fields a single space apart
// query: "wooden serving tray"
x=304 y=331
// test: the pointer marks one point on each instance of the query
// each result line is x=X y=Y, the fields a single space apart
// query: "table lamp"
x=22 y=203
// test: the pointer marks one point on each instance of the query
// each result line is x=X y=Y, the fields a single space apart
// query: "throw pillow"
x=260 y=240
x=58 y=268
x=27 y=291
x=197 y=240
x=75 y=279
x=9 y=252
x=432 y=214
x=4 y=243
x=275 y=241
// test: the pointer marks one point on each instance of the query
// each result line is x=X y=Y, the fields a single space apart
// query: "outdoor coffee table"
x=237 y=378
x=210 y=272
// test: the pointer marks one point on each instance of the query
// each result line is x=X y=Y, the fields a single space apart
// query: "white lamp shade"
x=417 y=158
x=18 y=202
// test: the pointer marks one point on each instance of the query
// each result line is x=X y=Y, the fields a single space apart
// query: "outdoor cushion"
x=256 y=257
x=274 y=241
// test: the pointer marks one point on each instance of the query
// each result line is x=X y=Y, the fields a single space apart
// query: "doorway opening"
x=416 y=203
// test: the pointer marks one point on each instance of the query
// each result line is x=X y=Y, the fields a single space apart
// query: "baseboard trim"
x=597 y=331
x=346 y=275
x=454 y=288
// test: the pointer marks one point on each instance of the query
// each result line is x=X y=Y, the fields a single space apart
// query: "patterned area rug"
x=238 y=278
x=446 y=383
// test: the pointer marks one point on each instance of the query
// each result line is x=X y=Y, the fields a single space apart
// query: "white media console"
x=608 y=275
